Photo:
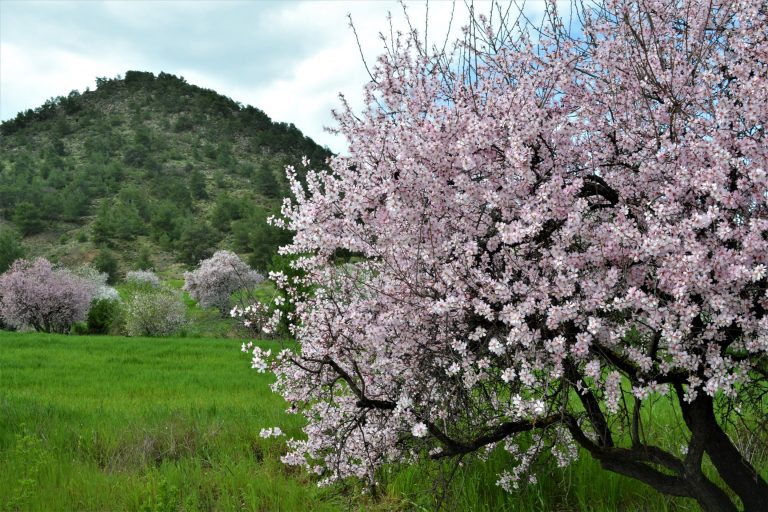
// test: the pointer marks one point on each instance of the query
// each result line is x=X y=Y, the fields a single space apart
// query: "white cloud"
x=290 y=59
x=308 y=95
x=37 y=74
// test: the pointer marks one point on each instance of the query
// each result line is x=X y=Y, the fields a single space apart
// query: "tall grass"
x=110 y=423
x=584 y=486
x=160 y=424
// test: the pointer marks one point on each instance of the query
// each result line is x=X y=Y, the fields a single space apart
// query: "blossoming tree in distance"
x=218 y=277
x=46 y=298
x=553 y=230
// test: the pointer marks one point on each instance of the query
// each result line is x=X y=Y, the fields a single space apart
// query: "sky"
x=289 y=58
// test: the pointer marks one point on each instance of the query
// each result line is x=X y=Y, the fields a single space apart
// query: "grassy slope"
x=111 y=423
x=108 y=423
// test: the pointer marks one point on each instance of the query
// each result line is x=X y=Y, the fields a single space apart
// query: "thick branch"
x=633 y=372
x=591 y=406
x=363 y=401
x=631 y=462
x=595 y=185
x=733 y=468
x=500 y=433
x=634 y=463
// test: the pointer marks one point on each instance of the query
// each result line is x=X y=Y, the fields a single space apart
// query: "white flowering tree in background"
x=142 y=278
x=218 y=277
x=150 y=311
x=557 y=230
x=46 y=298
x=99 y=280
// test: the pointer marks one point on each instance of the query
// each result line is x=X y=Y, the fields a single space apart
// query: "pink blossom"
x=217 y=278
x=39 y=295
x=419 y=430
x=585 y=209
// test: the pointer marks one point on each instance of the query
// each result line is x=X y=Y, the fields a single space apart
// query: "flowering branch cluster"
x=260 y=318
x=99 y=281
x=142 y=278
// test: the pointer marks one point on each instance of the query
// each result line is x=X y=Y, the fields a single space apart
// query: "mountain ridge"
x=147 y=164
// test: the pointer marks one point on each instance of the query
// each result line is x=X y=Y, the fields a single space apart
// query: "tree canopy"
x=554 y=229
x=38 y=295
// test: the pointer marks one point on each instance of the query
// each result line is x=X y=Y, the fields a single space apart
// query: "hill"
x=148 y=170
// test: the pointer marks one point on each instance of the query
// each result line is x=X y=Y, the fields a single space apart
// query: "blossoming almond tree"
x=554 y=232
x=36 y=294
x=142 y=278
x=218 y=277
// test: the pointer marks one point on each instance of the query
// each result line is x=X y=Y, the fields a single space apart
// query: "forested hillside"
x=148 y=171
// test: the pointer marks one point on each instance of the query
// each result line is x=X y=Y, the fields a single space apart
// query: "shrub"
x=102 y=315
x=154 y=312
x=79 y=328
x=36 y=294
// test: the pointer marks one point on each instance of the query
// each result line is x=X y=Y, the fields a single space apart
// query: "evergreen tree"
x=197 y=184
x=28 y=219
x=225 y=210
x=265 y=182
x=198 y=241
x=102 y=230
x=105 y=262
x=144 y=259
x=10 y=248
x=265 y=239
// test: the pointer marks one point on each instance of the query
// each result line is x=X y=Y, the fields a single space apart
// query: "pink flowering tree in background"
x=39 y=295
x=217 y=278
x=555 y=230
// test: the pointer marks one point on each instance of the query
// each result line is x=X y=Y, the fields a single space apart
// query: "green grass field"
x=161 y=424
x=110 y=423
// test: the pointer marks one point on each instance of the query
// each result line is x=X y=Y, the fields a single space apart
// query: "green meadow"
x=172 y=424
x=111 y=423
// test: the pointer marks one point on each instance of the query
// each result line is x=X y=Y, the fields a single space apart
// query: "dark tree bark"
x=732 y=467
x=664 y=471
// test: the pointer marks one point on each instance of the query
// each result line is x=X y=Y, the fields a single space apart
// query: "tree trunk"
x=733 y=468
